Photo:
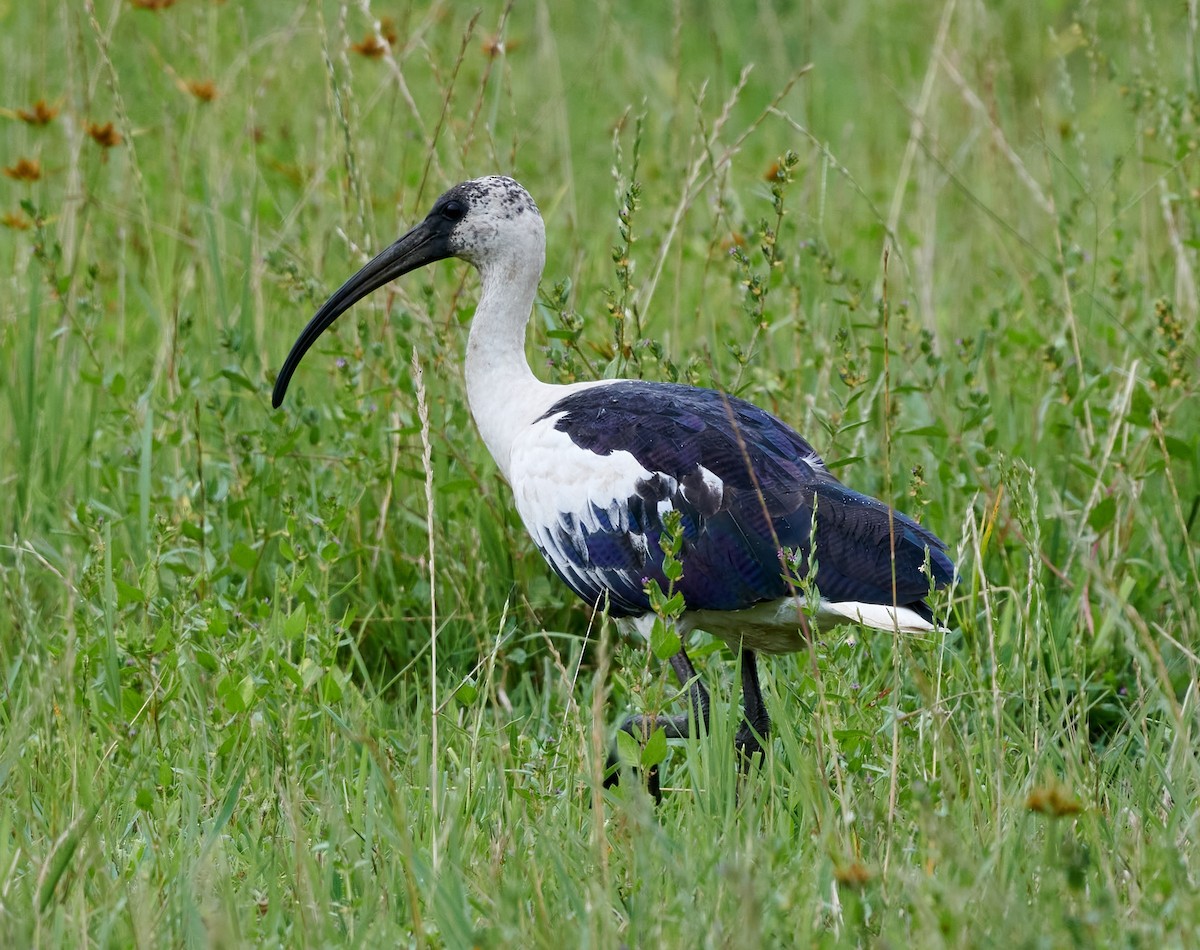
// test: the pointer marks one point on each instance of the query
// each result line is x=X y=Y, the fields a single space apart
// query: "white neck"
x=504 y=395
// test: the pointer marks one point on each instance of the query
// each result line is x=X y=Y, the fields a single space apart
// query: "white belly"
x=777 y=626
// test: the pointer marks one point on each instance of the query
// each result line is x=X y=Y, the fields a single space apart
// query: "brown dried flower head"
x=40 y=114
x=205 y=90
x=1053 y=800
x=25 y=169
x=370 y=47
x=16 y=221
x=495 y=46
x=106 y=136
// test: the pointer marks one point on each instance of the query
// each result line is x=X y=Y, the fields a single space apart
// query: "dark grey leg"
x=756 y=727
x=698 y=699
x=678 y=726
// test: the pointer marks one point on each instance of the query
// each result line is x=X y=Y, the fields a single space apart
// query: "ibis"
x=771 y=544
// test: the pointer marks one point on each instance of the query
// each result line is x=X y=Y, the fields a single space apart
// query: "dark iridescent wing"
x=602 y=467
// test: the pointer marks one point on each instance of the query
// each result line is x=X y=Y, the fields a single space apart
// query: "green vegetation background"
x=955 y=244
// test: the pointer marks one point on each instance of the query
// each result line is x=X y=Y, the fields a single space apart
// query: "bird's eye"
x=453 y=210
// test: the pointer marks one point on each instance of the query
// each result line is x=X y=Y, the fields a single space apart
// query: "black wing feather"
x=770 y=480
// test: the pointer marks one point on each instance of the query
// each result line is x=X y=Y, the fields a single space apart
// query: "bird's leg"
x=698 y=699
x=756 y=725
x=678 y=726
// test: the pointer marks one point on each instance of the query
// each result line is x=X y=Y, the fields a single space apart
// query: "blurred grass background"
x=219 y=696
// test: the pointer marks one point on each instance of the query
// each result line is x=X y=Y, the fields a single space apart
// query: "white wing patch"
x=879 y=616
x=561 y=490
x=552 y=476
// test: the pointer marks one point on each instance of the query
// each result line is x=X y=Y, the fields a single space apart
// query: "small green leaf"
x=1101 y=517
x=664 y=641
x=162 y=637
x=292 y=673
x=205 y=660
x=1180 y=448
x=935 y=431
x=466 y=694
x=246 y=689
x=148 y=580
x=218 y=624
x=309 y=672
x=655 y=749
x=331 y=687
x=629 y=750
x=231 y=695
x=243 y=556
x=238 y=378
x=295 y=623
x=127 y=594
x=655 y=595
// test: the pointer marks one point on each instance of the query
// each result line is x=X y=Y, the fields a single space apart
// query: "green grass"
x=222 y=718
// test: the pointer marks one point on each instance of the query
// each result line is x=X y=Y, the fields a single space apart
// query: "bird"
x=772 y=545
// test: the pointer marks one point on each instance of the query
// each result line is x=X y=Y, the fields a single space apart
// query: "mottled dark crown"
x=501 y=195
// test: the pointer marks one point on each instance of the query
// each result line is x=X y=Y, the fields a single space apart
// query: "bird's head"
x=490 y=222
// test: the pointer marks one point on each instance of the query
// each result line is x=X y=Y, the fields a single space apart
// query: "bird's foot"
x=748 y=743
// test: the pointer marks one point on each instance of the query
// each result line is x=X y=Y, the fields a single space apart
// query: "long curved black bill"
x=424 y=244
